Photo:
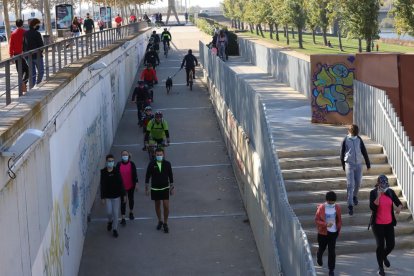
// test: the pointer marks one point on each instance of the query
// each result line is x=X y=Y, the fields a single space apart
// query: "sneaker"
x=165 y=227
x=355 y=199
x=331 y=273
x=115 y=233
x=381 y=272
x=351 y=210
x=386 y=262
x=131 y=216
x=109 y=226
x=123 y=222
x=159 y=225
x=319 y=260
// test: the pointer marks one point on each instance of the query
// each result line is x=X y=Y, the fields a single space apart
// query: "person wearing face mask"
x=33 y=40
x=352 y=152
x=160 y=173
x=328 y=220
x=381 y=200
x=129 y=176
x=112 y=191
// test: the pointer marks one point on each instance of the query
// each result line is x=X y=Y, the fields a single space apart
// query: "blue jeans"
x=353 y=181
x=39 y=66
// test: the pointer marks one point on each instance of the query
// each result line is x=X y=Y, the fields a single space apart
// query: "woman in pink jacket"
x=329 y=222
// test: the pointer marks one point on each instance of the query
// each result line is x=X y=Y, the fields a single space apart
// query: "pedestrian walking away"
x=328 y=221
x=88 y=25
x=16 y=48
x=352 y=152
x=381 y=200
x=33 y=40
x=160 y=173
x=129 y=176
x=112 y=191
x=190 y=62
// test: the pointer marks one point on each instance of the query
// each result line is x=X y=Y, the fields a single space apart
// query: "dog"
x=169 y=84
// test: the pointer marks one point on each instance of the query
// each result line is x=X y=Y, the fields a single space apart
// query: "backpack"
x=153 y=122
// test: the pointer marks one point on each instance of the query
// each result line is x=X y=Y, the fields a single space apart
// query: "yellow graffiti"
x=322 y=101
x=53 y=255
x=66 y=203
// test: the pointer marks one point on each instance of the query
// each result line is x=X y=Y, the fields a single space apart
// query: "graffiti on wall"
x=52 y=256
x=332 y=90
x=75 y=197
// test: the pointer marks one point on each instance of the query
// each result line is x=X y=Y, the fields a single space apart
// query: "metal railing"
x=56 y=56
x=290 y=241
x=376 y=117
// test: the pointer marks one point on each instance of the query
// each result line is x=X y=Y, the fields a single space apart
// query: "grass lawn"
x=349 y=45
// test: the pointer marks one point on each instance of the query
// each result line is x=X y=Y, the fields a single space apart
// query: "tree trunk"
x=313 y=36
x=284 y=31
x=251 y=27
x=340 y=40
x=16 y=9
x=48 y=22
x=293 y=33
x=277 y=31
x=242 y=26
x=6 y=18
x=325 y=40
x=368 y=46
x=287 y=35
x=300 y=38
x=271 y=30
x=257 y=29
x=359 y=45
x=260 y=30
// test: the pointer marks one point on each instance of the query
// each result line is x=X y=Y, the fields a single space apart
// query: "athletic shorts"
x=160 y=195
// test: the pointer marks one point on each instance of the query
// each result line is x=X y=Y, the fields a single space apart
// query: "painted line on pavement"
x=180 y=217
x=177 y=143
x=174 y=108
x=196 y=166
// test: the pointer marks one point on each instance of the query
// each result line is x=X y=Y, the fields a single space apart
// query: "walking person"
x=161 y=175
x=381 y=200
x=112 y=190
x=190 y=62
x=129 y=177
x=118 y=21
x=16 y=48
x=352 y=152
x=328 y=220
x=141 y=98
x=88 y=25
x=33 y=40
x=75 y=27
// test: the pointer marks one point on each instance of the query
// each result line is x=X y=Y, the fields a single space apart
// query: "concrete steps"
x=310 y=174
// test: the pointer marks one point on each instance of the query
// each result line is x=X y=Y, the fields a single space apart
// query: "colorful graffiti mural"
x=332 y=89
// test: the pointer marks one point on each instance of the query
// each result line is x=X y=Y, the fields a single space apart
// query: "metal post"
x=8 y=92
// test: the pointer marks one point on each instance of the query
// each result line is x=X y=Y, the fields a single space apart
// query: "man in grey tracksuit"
x=352 y=151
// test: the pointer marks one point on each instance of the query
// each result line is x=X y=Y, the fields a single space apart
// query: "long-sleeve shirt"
x=32 y=40
x=160 y=179
x=140 y=94
x=149 y=75
x=352 y=151
x=16 y=42
x=320 y=219
x=111 y=184
x=190 y=61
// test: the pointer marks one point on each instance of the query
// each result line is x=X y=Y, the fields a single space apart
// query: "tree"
x=228 y=11
x=316 y=11
x=362 y=19
x=335 y=16
x=403 y=11
x=297 y=16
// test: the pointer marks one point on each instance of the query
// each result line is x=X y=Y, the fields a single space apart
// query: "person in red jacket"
x=149 y=76
x=328 y=220
x=118 y=20
x=16 y=48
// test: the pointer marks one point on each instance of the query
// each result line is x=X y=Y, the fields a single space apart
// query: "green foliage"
x=403 y=10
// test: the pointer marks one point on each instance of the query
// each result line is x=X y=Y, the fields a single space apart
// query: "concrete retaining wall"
x=285 y=66
x=43 y=212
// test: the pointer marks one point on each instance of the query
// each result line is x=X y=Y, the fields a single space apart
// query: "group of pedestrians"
x=382 y=199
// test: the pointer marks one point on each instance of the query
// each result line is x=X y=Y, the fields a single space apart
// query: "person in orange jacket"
x=328 y=220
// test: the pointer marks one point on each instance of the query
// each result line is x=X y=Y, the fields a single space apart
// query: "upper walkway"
x=209 y=229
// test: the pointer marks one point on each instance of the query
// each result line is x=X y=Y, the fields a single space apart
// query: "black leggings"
x=130 y=201
x=330 y=241
x=384 y=235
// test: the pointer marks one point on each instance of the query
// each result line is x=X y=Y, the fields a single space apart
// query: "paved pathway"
x=209 y=230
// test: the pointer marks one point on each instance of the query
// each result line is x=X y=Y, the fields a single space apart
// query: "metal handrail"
x=57 y=56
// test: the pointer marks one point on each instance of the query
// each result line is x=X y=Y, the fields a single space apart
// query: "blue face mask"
x=125 y=158
x=110 y=164
x=159 y=158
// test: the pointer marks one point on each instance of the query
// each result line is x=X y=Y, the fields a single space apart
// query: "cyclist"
x=157 y=130
x=166 y=37
x=157 y=40
x=222 y=45
x=190 y=62
x=149 y=76
x=151 y=57
x=148 y=116
x=140 y=96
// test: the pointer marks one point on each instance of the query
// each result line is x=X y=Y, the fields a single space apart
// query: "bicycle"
x=190 y=79
x=152 y=146
x=166 y=48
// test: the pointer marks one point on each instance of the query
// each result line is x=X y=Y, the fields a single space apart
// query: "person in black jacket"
x=111 y=192
x=381 y=200
x=33 y=40
x=129 y=176
x=151 y=57
x=140 y=96
x=190 y=62
x=160 y=173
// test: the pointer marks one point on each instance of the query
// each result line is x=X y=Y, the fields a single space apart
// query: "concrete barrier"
x=285 y=66
x=44 y=210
